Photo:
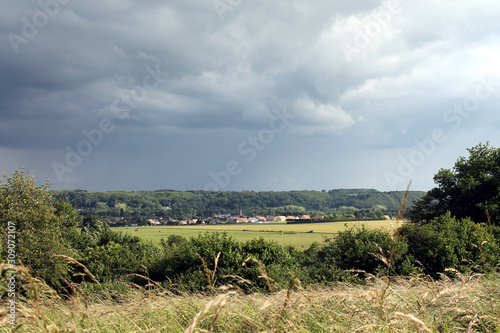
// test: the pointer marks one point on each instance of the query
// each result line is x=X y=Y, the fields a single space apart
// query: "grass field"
x=468 y=303
x=301 y=236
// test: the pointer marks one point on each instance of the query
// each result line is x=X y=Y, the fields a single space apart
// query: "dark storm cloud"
x=369 y=74
x=87 y=53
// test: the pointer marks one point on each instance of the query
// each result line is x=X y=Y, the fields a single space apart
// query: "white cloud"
x=320 y=119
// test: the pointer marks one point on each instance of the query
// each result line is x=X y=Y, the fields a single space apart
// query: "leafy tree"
x=468 y=190
x=42 y=226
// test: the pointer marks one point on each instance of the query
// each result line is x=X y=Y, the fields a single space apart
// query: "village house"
x=237 y=220
x=153 y=222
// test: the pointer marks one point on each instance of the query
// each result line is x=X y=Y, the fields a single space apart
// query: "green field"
x=301 y=236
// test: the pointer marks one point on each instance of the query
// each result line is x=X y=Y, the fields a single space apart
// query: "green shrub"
x=446 y=242
x=109 y=262
x=278 y=261
x=356 y=249
x=182 y=264
x=191 y=264
x=111 y=255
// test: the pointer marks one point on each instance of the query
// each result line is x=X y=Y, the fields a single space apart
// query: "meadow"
x=300 y=236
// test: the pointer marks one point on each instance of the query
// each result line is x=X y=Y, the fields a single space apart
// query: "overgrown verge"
x=464 y=303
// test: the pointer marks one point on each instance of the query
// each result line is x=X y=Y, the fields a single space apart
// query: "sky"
x=246 y=95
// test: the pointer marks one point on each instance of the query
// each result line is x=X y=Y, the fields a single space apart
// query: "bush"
x=356 y=249
x=110 y=255
x=181 y=264
x=190 y=264
x=109 y=262
x=446 y=242
x=278 y=261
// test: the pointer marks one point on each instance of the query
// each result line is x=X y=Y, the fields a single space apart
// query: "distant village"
x=132 y=221
x=220 y=219
x=171 y=207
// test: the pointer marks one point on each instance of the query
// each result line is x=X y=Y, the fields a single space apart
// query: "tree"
x=470 y=190
x=41 y=226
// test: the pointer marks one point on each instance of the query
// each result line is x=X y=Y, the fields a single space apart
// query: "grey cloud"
x=225 y=77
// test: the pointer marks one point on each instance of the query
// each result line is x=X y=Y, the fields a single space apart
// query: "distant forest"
x=180 y=204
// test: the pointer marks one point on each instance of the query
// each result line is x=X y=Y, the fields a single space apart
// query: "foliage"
x=42 y=226
x=179 y=204
x=355 y=249
x=470 y=189
x=109 y=262
x=186 y=262
x=112 y=255
x=449 y=243
x=315 y=269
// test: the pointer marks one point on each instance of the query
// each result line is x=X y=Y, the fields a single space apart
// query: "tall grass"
x=466 y=303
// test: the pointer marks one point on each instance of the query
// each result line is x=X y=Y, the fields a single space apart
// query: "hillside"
x=173 y=202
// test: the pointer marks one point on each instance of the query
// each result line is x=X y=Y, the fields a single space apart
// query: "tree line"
x=179 y=204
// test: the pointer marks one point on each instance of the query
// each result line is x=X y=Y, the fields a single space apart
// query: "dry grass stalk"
x=75 y=262
x=218 y=303
x=208 y=272
x=153 y=285
x=415 y=320
x=31 y=307
x=340 y=307
x=262 y=269
x=489 y=219
x=291 y=285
